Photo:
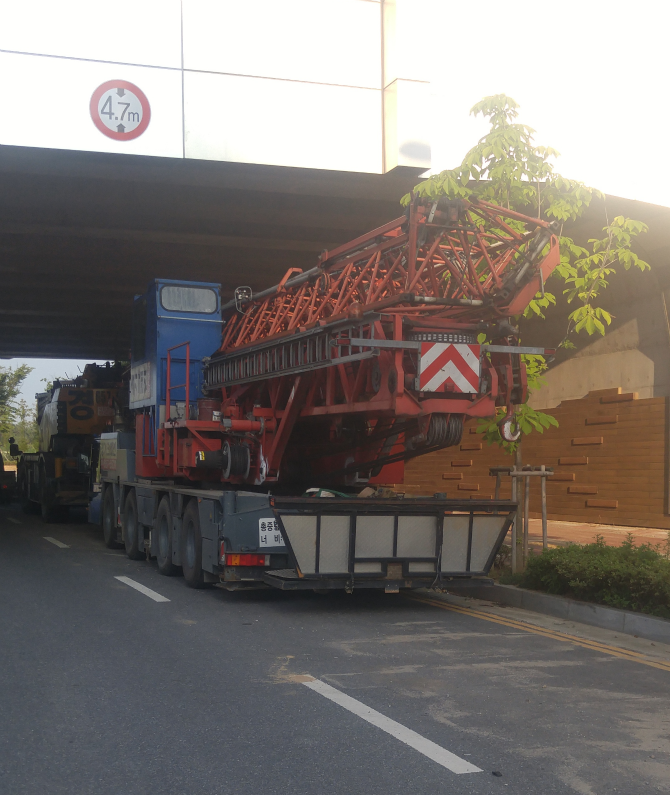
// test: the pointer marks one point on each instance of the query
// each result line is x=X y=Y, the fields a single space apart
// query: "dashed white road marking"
x=56 y=542
x=12 y=519
x=421 y=744
x=143 y=589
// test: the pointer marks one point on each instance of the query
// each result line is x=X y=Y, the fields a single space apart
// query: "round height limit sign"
x=120 y=110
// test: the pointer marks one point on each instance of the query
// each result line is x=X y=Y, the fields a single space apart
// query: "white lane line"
x=12 y=519
x=143 y=589
x=56 y=542
x=397 y=730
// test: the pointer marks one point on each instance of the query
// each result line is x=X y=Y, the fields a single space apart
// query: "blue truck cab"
x=173 y=320
x=168 y=315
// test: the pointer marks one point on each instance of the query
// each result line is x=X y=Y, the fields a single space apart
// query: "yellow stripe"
x=594 y=645
x=544 y=630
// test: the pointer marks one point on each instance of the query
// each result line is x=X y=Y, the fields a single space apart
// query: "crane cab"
x=173 y=321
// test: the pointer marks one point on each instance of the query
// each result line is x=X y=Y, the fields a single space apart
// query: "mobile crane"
x=334 y=377
x=69 y=415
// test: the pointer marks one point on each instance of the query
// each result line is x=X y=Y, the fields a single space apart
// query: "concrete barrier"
x=649 y=627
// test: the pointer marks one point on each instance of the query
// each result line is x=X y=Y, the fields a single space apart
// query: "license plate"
x=269 y=534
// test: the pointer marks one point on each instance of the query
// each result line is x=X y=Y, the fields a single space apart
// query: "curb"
x=643 y=626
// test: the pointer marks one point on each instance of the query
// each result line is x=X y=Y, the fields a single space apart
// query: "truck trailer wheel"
x=50 y=513
x=191 y=547
x=27 y=505
x=133 y=534
x=165 y=539
x=109 y=529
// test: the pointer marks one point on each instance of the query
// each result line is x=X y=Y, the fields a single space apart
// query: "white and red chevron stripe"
x=449 y=367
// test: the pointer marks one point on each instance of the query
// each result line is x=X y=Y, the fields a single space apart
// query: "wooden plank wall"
x=609 y=455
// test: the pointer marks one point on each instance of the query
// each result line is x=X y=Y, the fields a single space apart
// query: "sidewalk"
x=560 y=533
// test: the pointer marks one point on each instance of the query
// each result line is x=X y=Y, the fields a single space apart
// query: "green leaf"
x=509 y=168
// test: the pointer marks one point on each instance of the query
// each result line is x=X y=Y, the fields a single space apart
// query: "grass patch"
x=629 y=577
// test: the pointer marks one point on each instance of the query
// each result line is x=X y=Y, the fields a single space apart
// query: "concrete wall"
x=623 y=359
x=635 y=352
x=327 y=84
x=609 y=455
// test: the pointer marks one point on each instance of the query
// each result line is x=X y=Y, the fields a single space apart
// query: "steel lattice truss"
x=462 y=261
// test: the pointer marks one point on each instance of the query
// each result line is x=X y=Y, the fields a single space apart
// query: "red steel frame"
x=445 y=268
x=459 y=254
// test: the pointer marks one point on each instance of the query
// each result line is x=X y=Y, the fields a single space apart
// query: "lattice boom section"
x=298 y=353
x=457 y=260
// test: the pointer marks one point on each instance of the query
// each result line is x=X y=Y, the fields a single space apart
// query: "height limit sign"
x=120 y=110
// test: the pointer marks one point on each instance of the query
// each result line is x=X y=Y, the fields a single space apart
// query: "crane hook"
x=510 y=430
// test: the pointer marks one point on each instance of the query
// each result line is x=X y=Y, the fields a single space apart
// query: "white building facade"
x=324 y=84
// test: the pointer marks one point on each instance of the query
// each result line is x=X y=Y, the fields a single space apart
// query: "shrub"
x=629 y=577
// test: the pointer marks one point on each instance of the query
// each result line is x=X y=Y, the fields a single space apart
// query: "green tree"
x=506 y=167
x=25 y=429
x=11 y=379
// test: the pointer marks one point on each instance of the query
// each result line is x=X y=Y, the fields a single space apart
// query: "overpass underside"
x=82 y=233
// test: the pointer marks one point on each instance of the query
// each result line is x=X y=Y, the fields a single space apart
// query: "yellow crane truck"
x=70 y=415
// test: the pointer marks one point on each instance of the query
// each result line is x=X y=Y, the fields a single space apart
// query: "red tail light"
x=247 y=560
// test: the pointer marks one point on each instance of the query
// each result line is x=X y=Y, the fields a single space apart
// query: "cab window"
x=175 y=298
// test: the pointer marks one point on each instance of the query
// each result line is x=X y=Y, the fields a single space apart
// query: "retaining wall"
x=609 y=454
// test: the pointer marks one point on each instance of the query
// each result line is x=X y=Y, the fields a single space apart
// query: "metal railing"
x=289 y=355
x=170 y=386
x=523 y=519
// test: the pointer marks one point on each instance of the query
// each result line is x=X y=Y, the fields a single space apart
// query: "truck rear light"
x=247 y=560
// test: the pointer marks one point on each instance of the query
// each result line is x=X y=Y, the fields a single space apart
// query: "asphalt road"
x=105 y=691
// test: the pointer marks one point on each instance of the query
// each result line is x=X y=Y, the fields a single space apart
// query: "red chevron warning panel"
x=449 y=367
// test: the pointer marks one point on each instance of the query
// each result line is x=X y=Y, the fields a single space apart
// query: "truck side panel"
x=209 y=512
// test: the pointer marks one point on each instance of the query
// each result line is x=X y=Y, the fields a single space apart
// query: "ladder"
x=292 y=354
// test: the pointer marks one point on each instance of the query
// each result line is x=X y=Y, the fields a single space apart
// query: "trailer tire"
x=165 y=538
x=50 y=512
x=132 y=536
x=109 y=530
x=27 y=505
x=191 y=547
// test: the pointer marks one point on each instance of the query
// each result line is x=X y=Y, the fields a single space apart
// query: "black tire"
x=191 y=547
x=50 y=512
x=27 y=505
x=133 y=533
x=163 y=530
x=109 y=528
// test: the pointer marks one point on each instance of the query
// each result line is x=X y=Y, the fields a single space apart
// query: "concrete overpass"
x=212 y=140
x=81 y=233
x=246 y=154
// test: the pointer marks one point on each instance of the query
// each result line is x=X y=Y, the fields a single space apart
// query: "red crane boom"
x=340 y=374
x=457 y=261
x=345 y=371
